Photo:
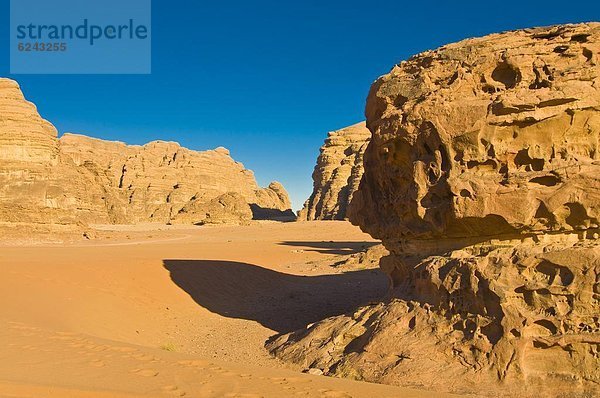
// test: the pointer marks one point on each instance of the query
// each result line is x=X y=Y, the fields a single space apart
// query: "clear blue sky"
x=268 y=79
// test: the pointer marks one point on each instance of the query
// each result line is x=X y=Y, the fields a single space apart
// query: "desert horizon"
x=228 y=202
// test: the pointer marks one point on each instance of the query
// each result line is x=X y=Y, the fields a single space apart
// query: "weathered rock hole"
x=493 y=332
x=399 y=101
x=540 y=344
x=546 y=324
x=540 y=84
x=584 y=328
x=488 y=88
x=578 y=217
x=507 y=75
x=466 y=194
x=580 y=38
x=432 y=174
x=556 y=102
x=543 y=78
x=555 y=274
x=412 y=323
x=548 y=34
x=452 y=79
x=542 y=213
x=548 y=72
x=445 y=166
x=428 y=150
x=527 y=295
x=548 y=181
x=523 y=159
x=588 y=54
x=488 y=164
x=560 y=49
x=503 y=171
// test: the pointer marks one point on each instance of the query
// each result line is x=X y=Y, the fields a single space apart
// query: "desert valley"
x=450 y=247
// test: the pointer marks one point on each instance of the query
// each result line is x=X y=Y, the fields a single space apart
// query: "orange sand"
x=163 y=312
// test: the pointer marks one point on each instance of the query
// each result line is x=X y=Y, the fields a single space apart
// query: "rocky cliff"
x=483 y=181
x=37 y=185
x=45 y=180
x=337 y=174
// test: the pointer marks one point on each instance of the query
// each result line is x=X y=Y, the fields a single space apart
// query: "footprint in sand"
x=122 y=349
x=63 y=338
x=98 y=363
x=173 y=390
x=145 y=372
x=334 y=394
x=197 y=363
x=144 y=357
x=278 y=380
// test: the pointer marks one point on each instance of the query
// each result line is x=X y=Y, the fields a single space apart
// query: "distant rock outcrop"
x=482 y=179
x=229 y=208
x=337 y=174
x=80 y=179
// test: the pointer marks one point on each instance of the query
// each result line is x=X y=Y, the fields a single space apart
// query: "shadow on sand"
x=331 y=247
x=278 y=301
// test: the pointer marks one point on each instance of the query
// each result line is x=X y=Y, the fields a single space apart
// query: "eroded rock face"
x=154 y=182
x=337 y=174
x=229 y=208
x=489 y=135
x=75 y=179
x=25 y=135
x=482 y=179
x=37 y=185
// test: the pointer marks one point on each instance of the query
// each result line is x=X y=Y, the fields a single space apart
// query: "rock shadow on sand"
x=331 y=247
x=278 y=301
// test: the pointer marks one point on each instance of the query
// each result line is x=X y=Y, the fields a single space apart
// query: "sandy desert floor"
x=172 y=311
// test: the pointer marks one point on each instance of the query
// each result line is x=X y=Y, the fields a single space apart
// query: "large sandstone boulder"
x=482 y=179
x=77 y=179
x=490 y=135
x=337 y=174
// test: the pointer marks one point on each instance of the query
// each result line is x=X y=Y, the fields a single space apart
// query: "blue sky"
x=267 y=79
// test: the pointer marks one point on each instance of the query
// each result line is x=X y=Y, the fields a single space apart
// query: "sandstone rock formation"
x=229 y=208
x=482 y=179
x=337 y=174
x=44 y=180
x=37 y=185
x=154 y=182
x=39 y=144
